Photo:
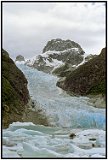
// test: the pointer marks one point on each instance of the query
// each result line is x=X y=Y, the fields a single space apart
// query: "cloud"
x=28 y=26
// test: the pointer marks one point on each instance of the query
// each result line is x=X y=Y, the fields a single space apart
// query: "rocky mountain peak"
x=61 y=45
x=57 y=52
x=19 y=58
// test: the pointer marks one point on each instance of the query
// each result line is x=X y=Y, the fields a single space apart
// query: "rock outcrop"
x=19 y=58
x=91 y=56
x=57 y=52
x=15 y=94
x=89 y=78
x=64 y=70
x=67 y=68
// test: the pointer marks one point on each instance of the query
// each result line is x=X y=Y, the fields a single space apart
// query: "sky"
x=27 y=27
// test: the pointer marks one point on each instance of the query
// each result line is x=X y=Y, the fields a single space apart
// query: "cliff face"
x=89 y=78
x=15 y=94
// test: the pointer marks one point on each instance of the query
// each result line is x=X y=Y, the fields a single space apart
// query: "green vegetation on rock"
x=15 y=94
x=89 y=78
x=99 y=88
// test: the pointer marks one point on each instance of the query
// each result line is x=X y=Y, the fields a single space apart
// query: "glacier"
x=26 y=140
x=66 y=114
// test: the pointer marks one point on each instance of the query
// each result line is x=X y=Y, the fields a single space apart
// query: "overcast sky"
x=28 y=26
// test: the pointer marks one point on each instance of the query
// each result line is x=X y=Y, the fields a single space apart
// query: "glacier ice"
x=66 y=115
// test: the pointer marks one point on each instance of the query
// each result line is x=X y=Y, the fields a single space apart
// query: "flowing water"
x=66 y=114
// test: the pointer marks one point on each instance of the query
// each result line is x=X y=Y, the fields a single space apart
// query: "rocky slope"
x=90 y=56
x=56 y=53
x=15 y=94
x=89 y=78
x=67 y=68
x=64 y=70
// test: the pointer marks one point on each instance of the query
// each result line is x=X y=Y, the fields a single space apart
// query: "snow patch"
x=55 y=63
x=47 y=53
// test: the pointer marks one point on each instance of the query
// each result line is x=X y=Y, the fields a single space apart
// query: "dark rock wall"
x=15 y=94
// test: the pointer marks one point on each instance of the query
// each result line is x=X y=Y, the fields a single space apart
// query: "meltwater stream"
x=61 y=109
x=66 y=115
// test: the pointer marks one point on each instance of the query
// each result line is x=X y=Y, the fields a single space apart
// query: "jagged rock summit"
x=56 y=53
x=19 y=58
x=61 y=45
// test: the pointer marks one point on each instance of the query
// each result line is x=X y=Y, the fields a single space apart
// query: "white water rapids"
x=66 y=114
